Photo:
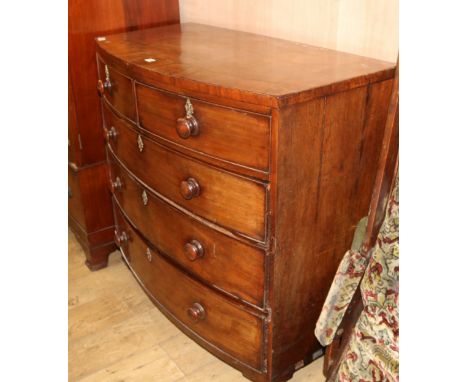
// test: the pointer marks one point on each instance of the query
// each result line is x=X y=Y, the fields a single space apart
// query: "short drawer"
x=229 y=200
x=228 y=134
x=221 y=261
x=117 y=90
x=202 y=311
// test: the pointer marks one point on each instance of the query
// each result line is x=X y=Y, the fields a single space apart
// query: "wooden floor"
x=116 y=334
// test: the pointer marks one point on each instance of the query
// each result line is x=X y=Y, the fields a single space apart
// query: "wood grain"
x=228 y=327
x=120 y=93
x=313 y=236
x=75 y=202
x=86 y=20
x=327 y=113
x=225 y=133
x=365 y=27
x=169 y=230
x=90 y=212
x=385 y=179
x=90 y=215
x=234 y=202
x=237 y=66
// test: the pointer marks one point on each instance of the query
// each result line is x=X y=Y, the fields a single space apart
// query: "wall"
x=364 y=27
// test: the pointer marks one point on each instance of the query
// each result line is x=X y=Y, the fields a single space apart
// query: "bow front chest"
x=239 y=166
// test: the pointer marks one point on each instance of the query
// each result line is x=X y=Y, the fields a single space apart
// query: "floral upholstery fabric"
x=372 y=353
x=344 y=285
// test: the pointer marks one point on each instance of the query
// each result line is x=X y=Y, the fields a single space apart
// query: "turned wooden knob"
x=196 y=312
x=116 y=185
x=193 y=250
x=100 y=87
x=189 y=188
x=187 y=126
x=120 y=238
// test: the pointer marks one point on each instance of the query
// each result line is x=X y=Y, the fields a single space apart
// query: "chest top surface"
x=233 y=64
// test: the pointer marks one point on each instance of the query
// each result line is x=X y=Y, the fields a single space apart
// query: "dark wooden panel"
x=231 y=201
x=233 y=135
x=384 y=182
x=88 y=19
x=73 y=134
x=90 y=212
x=227 y=326
x=378 y=98
x=296 y=266
x=75 y=202
x=98 y=206
x=315 y=226
x=170 y=230
x=240 y=66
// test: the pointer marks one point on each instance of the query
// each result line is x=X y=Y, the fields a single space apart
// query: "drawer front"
x=224 y=133
x=201 y=310
x=221 y=261
x=117 y=90
x=231 y=201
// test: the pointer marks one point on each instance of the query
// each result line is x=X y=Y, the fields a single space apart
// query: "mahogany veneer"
x=90 y=208
x=239 y=165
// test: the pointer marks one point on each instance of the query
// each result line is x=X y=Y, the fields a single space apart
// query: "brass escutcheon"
x=141 y=145
x=144 y=197
x=149 y=256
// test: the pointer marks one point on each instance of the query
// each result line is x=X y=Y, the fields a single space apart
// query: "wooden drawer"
x=228 y=134
x=117 y=90
x=199 y=310
x=229 y=200
x=206 y=253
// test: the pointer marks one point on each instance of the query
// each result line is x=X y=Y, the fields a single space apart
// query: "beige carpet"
x=116 y=334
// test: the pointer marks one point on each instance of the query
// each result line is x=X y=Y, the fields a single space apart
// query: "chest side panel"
x=325 y=167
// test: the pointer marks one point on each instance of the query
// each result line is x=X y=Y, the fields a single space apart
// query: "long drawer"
x=233 y=135
x=232 y=201
x=200 y=310
x=201 y=250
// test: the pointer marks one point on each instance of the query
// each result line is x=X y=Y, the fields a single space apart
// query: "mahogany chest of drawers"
x=239 y=166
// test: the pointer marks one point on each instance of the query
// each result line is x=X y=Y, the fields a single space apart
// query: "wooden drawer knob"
x=100 y=87
x=196 y=312
x=187 y=127
x=107 y=84
x=116 y=185
x=121 y=238
x=193 y=250
x=189 y=188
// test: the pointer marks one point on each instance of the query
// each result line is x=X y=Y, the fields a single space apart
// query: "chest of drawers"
x=239 y=166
